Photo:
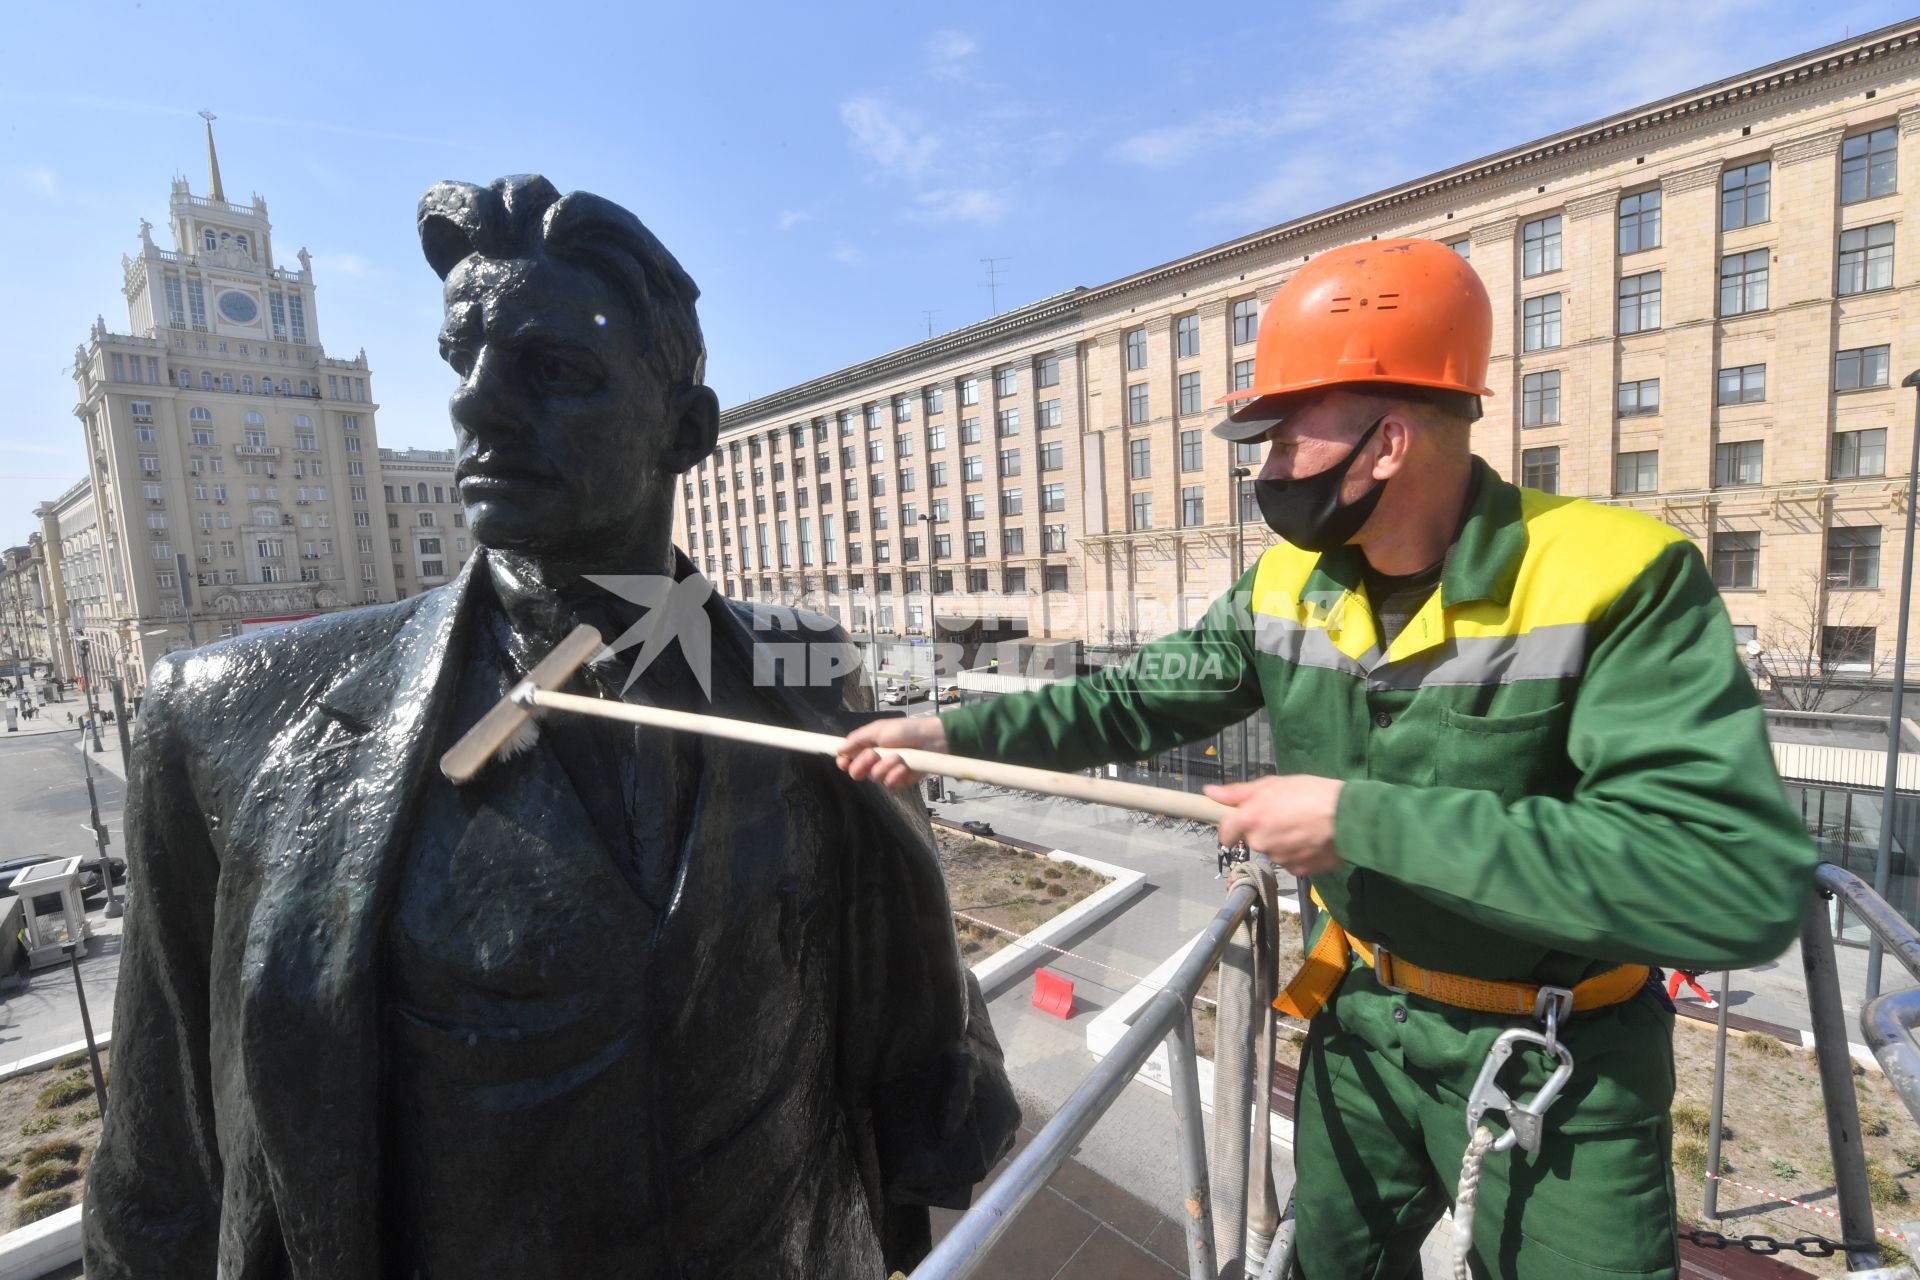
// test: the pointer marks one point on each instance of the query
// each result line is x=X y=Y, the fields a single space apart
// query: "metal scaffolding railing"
x=1888 y=1023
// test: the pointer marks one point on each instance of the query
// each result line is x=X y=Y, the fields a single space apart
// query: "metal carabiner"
x=1524 y=1119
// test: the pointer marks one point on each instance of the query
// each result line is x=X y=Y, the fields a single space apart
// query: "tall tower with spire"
x=234 y=465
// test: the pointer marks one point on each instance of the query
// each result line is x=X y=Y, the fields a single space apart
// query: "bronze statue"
x=628 y=1004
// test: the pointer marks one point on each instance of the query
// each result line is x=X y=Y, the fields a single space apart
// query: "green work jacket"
x=1559 y=765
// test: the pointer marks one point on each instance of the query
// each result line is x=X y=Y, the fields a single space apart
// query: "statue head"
x=580 y=359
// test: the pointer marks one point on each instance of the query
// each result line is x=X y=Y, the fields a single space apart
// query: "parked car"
x=950 y=694
x=89 y=872
x=904 y=695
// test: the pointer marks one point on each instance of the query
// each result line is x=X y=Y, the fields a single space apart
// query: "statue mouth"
x=484 y=480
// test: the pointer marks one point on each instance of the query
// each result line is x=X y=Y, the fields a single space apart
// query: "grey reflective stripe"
x=1544 y=653
x=1303 y=646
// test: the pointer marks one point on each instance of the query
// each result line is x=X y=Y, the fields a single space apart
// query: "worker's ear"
x=1395 y=439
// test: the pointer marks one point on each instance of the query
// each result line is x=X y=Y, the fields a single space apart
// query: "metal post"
x=1719 y=1102
x=1235 y=476
x=1190 y=1132
x=1836 y=1082
x=86 y=1027
x=1883 y=856
x=118 y=689
x=93 y=702
x=933 y=641
x=100 y=839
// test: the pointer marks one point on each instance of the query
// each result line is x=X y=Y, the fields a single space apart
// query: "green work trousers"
x=1381 y=1130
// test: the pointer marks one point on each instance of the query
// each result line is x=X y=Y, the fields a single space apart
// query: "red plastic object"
x=1053 y=993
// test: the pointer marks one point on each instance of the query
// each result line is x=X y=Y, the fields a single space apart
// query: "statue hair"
x=523 y=216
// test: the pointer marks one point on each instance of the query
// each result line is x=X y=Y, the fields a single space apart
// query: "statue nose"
x=482 y=404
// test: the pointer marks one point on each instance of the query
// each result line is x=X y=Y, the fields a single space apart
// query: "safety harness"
x=1326 y=965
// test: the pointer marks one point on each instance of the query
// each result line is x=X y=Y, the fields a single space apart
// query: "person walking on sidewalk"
x=1679 y=976
x=1518 y=758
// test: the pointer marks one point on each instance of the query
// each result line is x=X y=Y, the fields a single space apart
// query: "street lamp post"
x=1883 y=856
x=933 y=642
x=85 y=646
x=1238 y=475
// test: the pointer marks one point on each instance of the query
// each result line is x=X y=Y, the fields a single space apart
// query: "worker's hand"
x=1289 y=819
x=860 y=759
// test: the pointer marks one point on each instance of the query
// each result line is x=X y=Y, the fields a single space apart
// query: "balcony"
x=257 y=450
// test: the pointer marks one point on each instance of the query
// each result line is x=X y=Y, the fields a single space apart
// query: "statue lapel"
x=326 y=812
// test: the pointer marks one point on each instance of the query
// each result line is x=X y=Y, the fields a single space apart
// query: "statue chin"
x=536 y=524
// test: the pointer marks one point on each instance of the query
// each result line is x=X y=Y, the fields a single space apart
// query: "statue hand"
x=864 y=754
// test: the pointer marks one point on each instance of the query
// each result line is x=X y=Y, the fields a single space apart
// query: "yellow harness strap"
x=1319 y=976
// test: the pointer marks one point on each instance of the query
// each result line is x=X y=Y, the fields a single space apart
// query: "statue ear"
x=696 y=426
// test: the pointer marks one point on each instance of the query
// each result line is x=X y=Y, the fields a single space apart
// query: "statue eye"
x=558 y=372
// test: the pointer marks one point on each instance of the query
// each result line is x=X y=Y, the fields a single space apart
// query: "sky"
x=833 y=175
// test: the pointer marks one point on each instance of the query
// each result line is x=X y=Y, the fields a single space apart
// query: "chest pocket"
x=1512 y=755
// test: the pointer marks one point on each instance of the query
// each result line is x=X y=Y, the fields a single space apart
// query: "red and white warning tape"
x=1798 y=1204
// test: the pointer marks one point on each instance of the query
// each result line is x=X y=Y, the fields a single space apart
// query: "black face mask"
x=1307 y=510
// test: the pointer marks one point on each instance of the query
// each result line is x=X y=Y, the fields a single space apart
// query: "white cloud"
x=791 y=218
x=951 y=53
x=968 y=204
x=1234 y=126
x=847 y=256
x=43 y=180
x=344 y=262
x=892 y=139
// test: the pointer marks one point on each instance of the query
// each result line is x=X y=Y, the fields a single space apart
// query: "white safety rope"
x=1463 y=1200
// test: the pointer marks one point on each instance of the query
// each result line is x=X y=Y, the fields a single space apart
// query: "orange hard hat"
x=1406 y=312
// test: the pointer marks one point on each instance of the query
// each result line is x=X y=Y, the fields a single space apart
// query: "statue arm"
x=152 y=1201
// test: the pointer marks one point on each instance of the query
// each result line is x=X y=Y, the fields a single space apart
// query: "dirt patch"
x=49 y=1123
x=1005 y=890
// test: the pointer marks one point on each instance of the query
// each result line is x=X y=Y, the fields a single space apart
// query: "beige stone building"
x=233 y=464
x=426 y=524
x=1703 y=309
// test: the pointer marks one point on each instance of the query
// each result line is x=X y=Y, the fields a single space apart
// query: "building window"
x=1186 y=336
x=1247 y=452
x=1189 y=393
x=936 y=475
x=977 y=543
x=1013 y=542
x=1054 y=576
x=1242 y=374
x=1637 y=472
x=1858 y=454
x=969 y=431
x=1867 y=164
x=902 y=409
x=1540 y=469
x=1640 y=221
x=1053 y=497
x=1142 y=511
x=1541 y=322
x=974 y=505
x=1640 y=302
x=1744 y=195
x=1136 y=343
x=1736 y=560
x=1860 y=367
x=1193 y=505
x=1190 y=451
x=971 y=468
x=1048 y=412
x=1744 y=385
x=1847 y=647
x=1009 y=462
x=1638 y=399
x=1139 y=459
x=1006 y=382
x=1738 y=462
x=1137 y=403
x=936 y=400
x=1853 y=557
x=976 y=580
x=1007 y=422
x=1866 y=259
x=1540 y=246
x=1246 y=320
x=1046 y=371
x=1540 y=399
x=1743 y=282
x=1012 y=502
x=969 y=392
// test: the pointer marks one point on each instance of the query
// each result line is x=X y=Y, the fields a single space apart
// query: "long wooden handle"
x=1071 y=786
x=479 y=744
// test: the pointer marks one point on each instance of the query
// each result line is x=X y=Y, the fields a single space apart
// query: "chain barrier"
x=1803 y=1246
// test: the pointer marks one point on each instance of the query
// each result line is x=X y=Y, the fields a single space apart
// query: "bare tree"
x=1817 y=651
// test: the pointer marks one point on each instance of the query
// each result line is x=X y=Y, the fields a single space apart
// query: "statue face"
x=568 y=440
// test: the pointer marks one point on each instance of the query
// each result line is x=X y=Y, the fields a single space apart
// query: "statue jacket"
x=268 y=813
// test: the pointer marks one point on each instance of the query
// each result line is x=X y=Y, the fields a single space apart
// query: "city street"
x=43 y=793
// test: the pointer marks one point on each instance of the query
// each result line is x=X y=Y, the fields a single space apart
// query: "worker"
x=1517 y=756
